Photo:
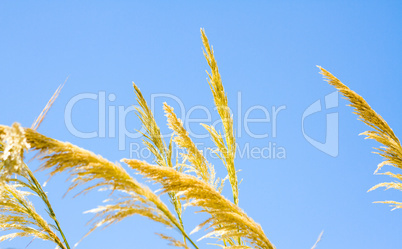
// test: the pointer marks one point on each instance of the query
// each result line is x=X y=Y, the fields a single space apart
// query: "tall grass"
x=188 y=179
x=17 y=213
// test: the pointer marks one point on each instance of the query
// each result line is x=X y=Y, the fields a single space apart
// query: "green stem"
x=188 y=238
x=174 y=221
x=43 y=196
x=184 y=237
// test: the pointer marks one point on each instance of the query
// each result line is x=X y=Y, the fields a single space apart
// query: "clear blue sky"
x=267 y=51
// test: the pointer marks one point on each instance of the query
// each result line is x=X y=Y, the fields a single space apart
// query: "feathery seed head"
x=227 y=219
x=228 y=150
x=382 y=132
x=87 y=168
x=200 y=165
x=14 y=145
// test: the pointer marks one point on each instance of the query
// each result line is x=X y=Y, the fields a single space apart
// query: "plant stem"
x=180 y=227
x=43 y=196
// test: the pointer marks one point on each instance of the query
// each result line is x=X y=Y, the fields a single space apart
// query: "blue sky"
x=267 y=52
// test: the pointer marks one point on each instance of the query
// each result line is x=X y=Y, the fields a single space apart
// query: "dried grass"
x=226 y=219
x=391 y=150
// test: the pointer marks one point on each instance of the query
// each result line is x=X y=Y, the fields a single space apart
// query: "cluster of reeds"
x=188 y=179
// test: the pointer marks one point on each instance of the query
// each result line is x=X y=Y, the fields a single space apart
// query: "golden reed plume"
x=391 y=150
x=228 y=150
x=226 y=218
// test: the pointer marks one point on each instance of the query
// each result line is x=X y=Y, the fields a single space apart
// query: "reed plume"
x=86 y=168
x=203 y=169
x=228 y=150
x=391 y=150
x=227 y=219
x=152 y=136
x=153 y=140
x=13 y=146
x=16 y=211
